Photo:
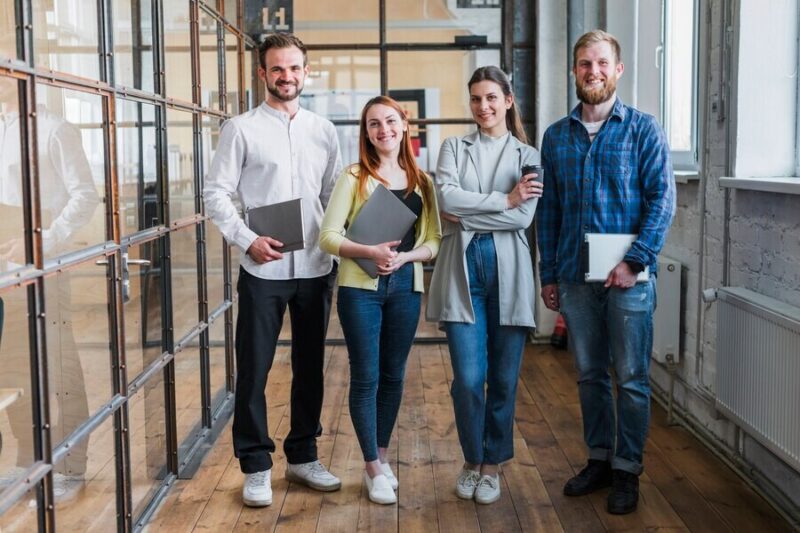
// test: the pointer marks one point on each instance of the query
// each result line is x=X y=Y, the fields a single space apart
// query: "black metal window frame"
x=29 y=75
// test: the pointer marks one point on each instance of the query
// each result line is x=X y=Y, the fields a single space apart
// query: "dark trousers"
x=262 y=304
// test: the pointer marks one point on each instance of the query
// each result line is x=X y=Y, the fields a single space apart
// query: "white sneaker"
x=387 y=471
x=380 y=490
x=314 y=475
x=66 y=487
x=257 y=491
x=488 y=489
x=466 y=483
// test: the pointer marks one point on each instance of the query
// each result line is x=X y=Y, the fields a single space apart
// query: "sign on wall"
x=268 y=16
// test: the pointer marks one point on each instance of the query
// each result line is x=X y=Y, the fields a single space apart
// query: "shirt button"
x=586 y=226
x=586 y=180
x=586 y=204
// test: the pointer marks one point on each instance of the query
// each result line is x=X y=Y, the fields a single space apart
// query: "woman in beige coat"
x=485 y=305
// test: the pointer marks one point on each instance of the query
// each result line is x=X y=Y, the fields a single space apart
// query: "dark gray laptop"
x=383 y=218
x=282 y=221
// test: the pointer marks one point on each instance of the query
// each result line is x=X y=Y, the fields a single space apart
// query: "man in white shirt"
x=270 y=154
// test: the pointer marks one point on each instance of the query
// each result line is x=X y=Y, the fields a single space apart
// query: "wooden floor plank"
x=532 y=504
x=301 y=507
x=416 y=495
x=684 y=486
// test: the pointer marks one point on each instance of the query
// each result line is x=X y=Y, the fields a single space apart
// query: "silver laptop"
x=383 y=218
x=605 y=251
x=282 y=221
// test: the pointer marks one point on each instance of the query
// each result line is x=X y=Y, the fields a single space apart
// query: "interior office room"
x=118 y=301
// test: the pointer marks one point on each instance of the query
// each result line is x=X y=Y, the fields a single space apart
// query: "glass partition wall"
x=116 y=292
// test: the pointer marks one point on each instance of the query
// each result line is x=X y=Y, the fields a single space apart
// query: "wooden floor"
x=684 y=486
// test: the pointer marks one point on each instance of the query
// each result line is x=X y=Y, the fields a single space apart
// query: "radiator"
x=667 y=316
x=758 y=368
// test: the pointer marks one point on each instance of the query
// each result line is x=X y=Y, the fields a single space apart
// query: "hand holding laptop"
x=385 y=256
x=280 y=230
x=621 y=276
x=382 y=222
x=263 y=250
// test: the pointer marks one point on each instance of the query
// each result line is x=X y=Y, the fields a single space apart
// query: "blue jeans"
x=484 y=354
x=612 y=327
x=379 y=328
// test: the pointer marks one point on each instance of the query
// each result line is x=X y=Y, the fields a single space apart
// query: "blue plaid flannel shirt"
x=620 y=183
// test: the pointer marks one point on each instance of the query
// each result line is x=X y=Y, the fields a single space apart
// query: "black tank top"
x=413 y=202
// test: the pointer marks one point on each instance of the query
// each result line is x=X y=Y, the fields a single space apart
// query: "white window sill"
x=685 y=176
x=781 y=185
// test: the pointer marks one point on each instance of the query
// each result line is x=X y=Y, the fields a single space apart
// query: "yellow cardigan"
x=343 y=206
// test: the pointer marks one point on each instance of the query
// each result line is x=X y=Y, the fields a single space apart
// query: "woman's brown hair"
x=492 y=73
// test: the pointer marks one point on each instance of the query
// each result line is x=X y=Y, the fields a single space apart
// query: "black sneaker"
x=624 y=493
x=596 y=476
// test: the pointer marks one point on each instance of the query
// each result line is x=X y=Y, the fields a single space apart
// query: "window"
x=679 y=77
x=662 y=68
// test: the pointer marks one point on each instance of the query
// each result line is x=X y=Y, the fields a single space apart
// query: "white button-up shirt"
x=69 y=196
x=265 y=157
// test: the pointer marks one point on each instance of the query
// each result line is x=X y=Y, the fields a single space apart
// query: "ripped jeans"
x=612 y=328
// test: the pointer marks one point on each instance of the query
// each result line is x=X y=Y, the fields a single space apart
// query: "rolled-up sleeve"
x=433 y=227
x=332 y=232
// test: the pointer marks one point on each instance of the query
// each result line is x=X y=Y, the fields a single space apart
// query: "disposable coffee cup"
x=533 y=169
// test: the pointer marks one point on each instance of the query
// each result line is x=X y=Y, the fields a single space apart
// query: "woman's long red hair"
x=369 y=161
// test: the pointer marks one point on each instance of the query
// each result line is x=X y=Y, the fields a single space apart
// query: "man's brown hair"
x=593 y=37
x=280 y=40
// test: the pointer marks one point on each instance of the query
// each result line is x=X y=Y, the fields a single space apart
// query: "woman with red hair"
x=379 y=316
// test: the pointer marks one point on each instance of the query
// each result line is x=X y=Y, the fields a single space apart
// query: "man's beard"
x=273 y=90
x=597 y=95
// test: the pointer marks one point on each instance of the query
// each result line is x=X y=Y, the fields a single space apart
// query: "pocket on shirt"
x=617 y=159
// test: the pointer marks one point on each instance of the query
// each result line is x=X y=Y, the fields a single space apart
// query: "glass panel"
x=183 y=248
x=86 y=491
x=210 y=135
x=230 y=11
x=431 y=138
x=680 y=74
x=177 y=41
x=12 y=220
x=76 y=305
x=133 y=44
x=16 y=413
x=65 y=36
x=180 y=164
x=142 y=309
x=438 y=78
x=22 y=516
x=187 y=397
x=341 y=82
x=250 y=80
x=232 y=73
x=148 y=441
x=209 y=62
x=71 y=152
x=216 y=280
x=338 y=21
x=8 y=24
x=411 y=21
x=137 y=168
x=216 y=332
